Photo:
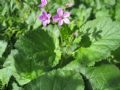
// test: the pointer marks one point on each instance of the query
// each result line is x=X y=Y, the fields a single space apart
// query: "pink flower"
x=45 y=18
x=61 y=17
x=43 y=3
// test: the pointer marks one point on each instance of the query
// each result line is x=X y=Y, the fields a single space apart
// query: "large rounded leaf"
x=105 y=37
x=57 y=80
x=36 y=54
x=104 y=77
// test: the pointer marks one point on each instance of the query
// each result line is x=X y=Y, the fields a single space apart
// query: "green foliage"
x=38 y=51
x=84 y=55
x=0 y=85
x=57 y=80
x=102 y=77
x=117 y=11
x=3 y=46
x=104 y=35
x=8 y=70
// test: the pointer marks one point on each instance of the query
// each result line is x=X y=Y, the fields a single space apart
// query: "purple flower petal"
x=45 y=18
x=61 y=17
x=43 y=3
x=40 y=17
x=48 y=21
x=55 y=18
x=66 y=14
x=44 y=13
x=66 y=20
x=60 y=22
x=49 y=15
x=45 y=23
x=60 y=12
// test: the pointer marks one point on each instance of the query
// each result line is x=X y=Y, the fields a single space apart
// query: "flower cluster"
x=61 y=17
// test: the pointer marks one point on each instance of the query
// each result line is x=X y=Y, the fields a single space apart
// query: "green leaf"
x=57 y=80
x=5 y=75
x=103 y=13
x=1 y=85
x=117 y=11
x=105 y=37
x=82 y=14
x=3 y=46
x=8 y=69
x=37 y=53
x=104 y=77
x=15 y=87
x=31 y=19
x=37 y=24
x=116 y=55
x=110 y=2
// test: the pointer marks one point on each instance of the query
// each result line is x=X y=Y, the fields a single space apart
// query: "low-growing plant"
x=59 y=45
